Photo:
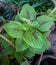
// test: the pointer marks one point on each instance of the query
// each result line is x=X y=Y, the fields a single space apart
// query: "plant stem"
x=48 y=56
x=54 y=1
x=40 y=59
x=53 y=11
x=7 y=40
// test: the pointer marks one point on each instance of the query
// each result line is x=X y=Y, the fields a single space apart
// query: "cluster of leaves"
x=28 y=33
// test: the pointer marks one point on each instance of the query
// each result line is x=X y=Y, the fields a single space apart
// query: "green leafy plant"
x=28 y=35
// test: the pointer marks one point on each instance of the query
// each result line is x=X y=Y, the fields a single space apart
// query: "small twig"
x=7 y=40
x=40 y=59
x=54 y=1
x=53 y=11
x=48 y=56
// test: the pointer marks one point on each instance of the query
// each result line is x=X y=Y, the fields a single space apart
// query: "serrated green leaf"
x=36 y=40
x=4 y=59
x=33 y=39
x=49 y=11
x=14 y=29
x=47 y=33
x=20 y=45
x=25 y=63
x=35 y=24
x=19 y=56
x=9 y=50
x=26 y=26
x=29 y=54
x=45 y=22
x=37 y=51
x=46 y=46
x=27 y=12
x=17 y=17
